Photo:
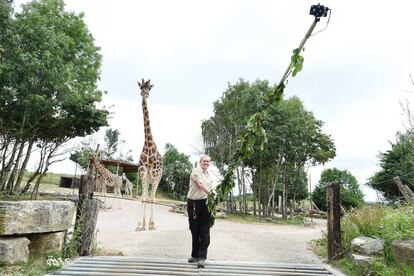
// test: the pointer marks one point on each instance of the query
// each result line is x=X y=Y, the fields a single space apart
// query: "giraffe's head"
x=93 y=157
x=145 y=87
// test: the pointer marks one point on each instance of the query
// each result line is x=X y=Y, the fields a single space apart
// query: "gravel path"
x=230 y=241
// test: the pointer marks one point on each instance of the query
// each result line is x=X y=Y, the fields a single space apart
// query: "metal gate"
x=142 y=266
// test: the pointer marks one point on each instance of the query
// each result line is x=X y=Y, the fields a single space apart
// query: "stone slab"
x=404 y=251
x=367 y=246
x=25 y=217
x=14 y=249
x=45 y=243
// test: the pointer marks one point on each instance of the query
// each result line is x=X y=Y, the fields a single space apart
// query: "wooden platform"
x=145 y=266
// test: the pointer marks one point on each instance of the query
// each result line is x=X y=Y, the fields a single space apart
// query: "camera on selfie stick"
x=319 y=11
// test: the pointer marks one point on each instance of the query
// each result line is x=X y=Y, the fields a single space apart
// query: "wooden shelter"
x=126 y=166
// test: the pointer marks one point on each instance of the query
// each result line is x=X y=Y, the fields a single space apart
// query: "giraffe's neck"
x=100 y=168
x=147 y=126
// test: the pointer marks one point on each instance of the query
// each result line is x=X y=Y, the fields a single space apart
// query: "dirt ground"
x=230 y=241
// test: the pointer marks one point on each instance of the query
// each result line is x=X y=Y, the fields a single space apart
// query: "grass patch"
x=377 y=221
x=247 y=218
x=6 y=197
x=33 y=267
x=98 y=251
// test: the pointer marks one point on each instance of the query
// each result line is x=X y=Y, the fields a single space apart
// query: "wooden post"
x=86 y=216
x=403 y=191
x=409 y=192
x=334 y=221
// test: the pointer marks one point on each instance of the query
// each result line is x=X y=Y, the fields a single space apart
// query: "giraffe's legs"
x=155 y=183
x=117 y=191
x=103 y=191
x=144 y=199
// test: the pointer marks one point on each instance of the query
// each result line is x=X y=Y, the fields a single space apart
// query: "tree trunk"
x=12 y=161
x=10 y=182
x=23 y=167
x=5 y=147
x=254 y=203
x=30 y=180
x=43 y=173
x=7 y=168
x=239 y=182
x=245 y=204
x=284 y=201
x=259 y=196
x=36 y=187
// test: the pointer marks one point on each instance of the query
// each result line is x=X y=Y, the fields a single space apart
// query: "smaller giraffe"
x=106 y=178
x=128 y=185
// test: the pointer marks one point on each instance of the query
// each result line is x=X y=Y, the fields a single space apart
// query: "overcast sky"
x=356 y=72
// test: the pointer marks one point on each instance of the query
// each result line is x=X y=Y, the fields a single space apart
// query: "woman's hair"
x=203 y=156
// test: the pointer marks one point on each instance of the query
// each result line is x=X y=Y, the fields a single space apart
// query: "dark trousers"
x=199 y=220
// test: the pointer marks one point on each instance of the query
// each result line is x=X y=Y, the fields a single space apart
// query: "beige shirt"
x=194 y=191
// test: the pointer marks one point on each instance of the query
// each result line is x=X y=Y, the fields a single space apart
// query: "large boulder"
x=404 y=251
x=367 y=246
x=23 y=217
x=43 y=244
x=14 y=249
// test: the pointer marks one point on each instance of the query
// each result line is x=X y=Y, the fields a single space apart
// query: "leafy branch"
x=255 y=131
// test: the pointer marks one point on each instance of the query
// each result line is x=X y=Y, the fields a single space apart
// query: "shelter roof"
x=126 y=166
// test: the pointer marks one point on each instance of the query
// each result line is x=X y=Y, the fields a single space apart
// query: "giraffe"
x=106 y=178
x=150 y=163
x=128 y=185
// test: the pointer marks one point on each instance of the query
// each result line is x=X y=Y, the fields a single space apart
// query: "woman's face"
x=205 y=162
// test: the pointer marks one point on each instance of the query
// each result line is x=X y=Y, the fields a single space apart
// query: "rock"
x=367 y=246
x=22 y=217
x=362 y=262
x=13 y=250
x=221 y=215
x=404 y=251
x=43 y=244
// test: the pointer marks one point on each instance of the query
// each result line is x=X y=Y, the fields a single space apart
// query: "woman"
x=198 y=215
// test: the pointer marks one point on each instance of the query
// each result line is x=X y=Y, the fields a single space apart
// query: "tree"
x=50 y=70
x=351 y=195
x=112 y=142
x=82 y=156
x=176 y=175
x=397 y=161
x=221 y=132
x=294 y=140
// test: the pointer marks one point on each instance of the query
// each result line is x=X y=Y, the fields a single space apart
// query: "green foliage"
x=247 y=218
x=112 y=143
x=291 y=134
x=296 y=62
x=368 y=220
x=397 y=161
x=81 y=157
x=50 y=70
x=377 y=221
x=176 y=173
x=349 y=267
x=377 y=268
x=351 y=195
x=245 y=142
